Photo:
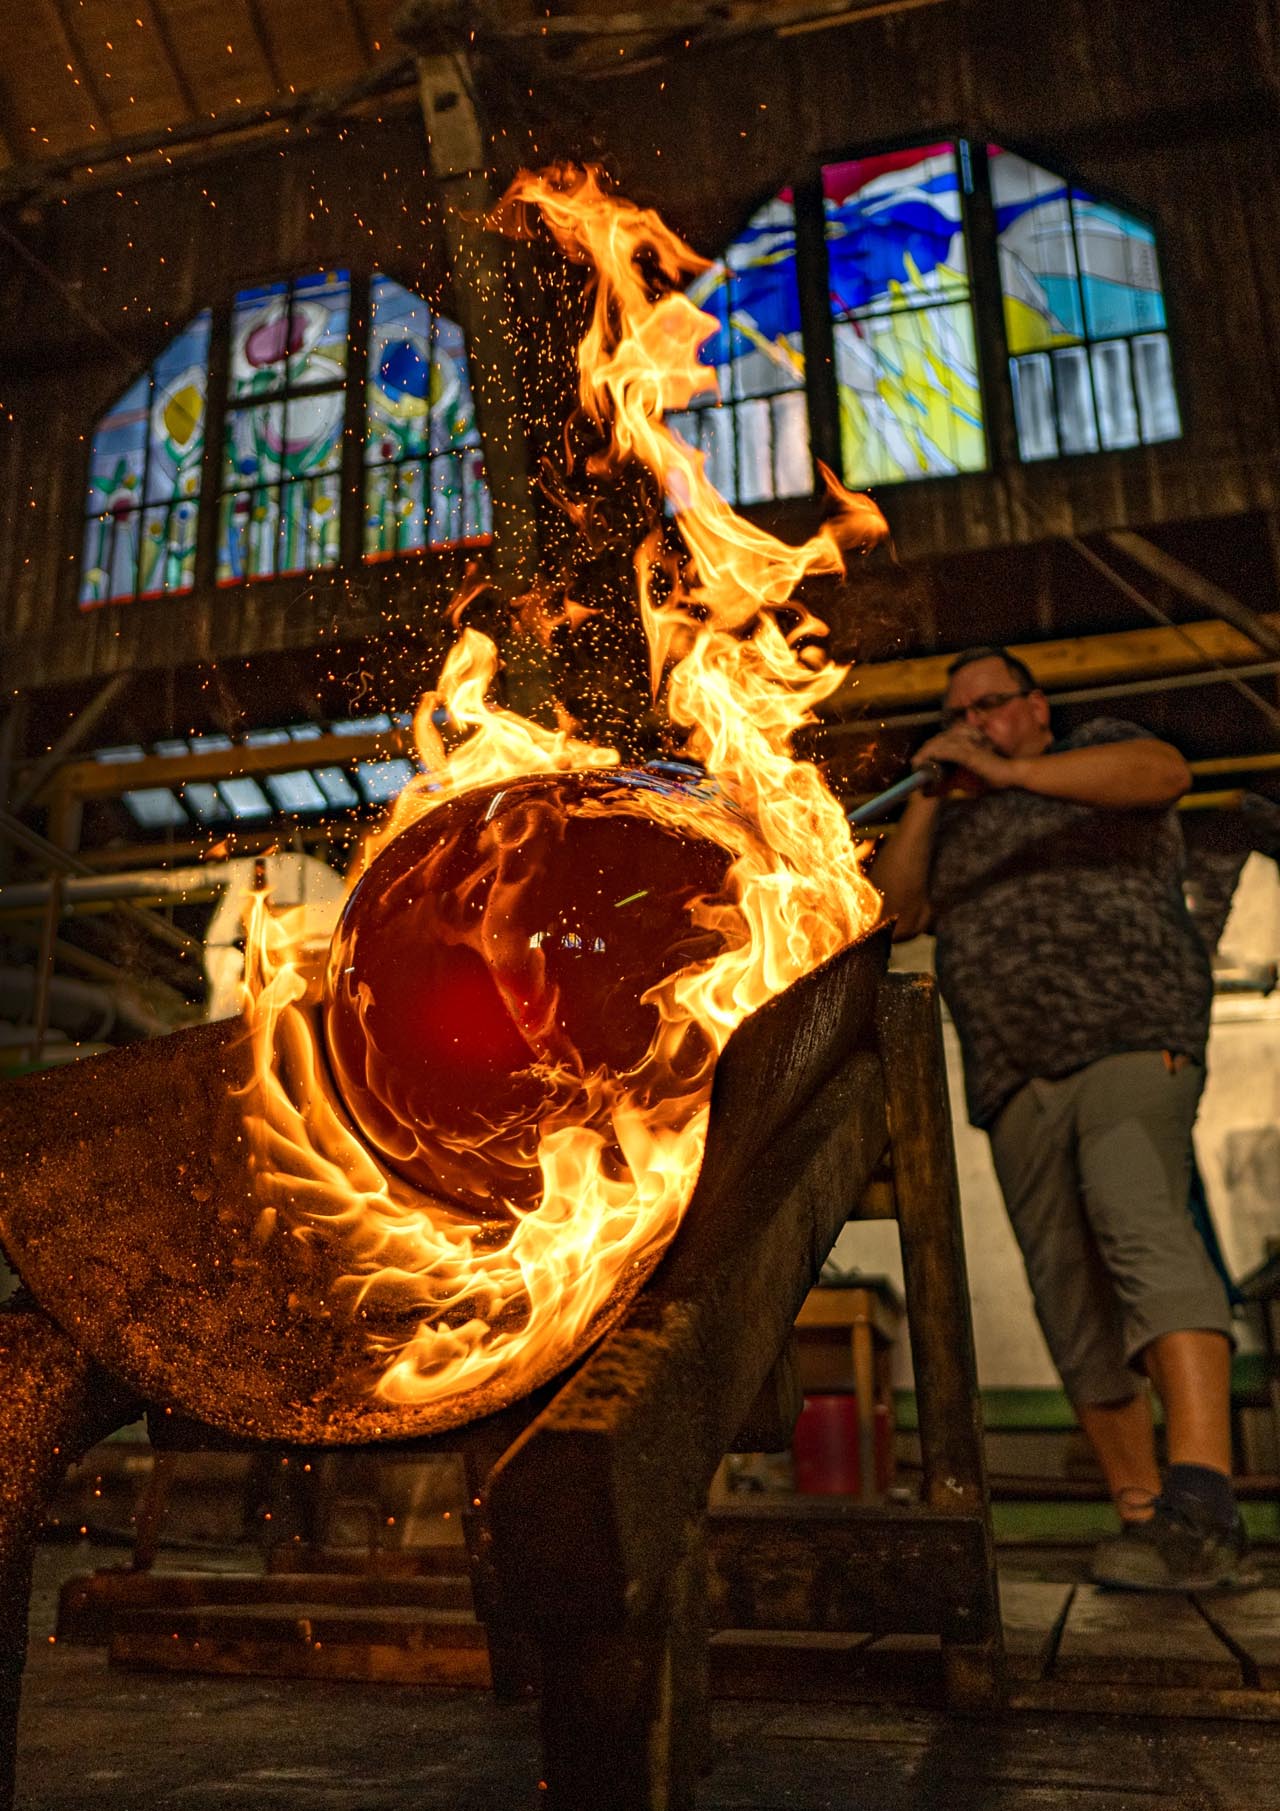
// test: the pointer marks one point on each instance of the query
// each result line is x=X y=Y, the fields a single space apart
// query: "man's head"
x=996 y=694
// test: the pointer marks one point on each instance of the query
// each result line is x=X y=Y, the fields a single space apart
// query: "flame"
x=734 y=651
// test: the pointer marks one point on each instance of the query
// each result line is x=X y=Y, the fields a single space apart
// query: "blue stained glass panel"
x=906 y=359
x=894 y=232
x=290 y=336
x=752 y=426
x=177 y=414
x=144 y=478
x=1084 y=316
x=424 y=476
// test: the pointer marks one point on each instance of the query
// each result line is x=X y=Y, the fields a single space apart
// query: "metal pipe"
x=929 y=773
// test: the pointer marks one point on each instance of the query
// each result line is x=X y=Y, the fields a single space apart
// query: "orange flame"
x=511 y=1302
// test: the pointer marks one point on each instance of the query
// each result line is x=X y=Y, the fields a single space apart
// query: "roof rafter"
x=78 y=66
x=169 y=56
x=258 y=26
x=359 y=30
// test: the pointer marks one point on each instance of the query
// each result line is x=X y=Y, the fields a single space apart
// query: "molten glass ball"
x=493 y=962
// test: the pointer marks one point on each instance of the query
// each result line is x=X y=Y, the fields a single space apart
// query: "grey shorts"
x=1094 y=1169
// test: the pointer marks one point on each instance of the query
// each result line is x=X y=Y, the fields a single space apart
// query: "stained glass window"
x=286 y=401
x=1084 y=316
x=755 y=432
x=144 y=479
x=424 y=469
x=906 y=363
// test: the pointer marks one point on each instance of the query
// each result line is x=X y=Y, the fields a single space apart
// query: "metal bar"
x=1197 y=587
x=43 y=770
x=1132 y=688
x=44 y=966
x=62 y=863
x=926 y=775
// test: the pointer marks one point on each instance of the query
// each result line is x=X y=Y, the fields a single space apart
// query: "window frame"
x=219 y=405
x=985 y=298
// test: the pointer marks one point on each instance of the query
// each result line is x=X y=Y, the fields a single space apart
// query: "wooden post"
x=938 y=1318
x=51 y=1407
x=477 y=257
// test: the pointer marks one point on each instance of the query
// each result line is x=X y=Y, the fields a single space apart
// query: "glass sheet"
x=382 y=781
x=1119 y=271
x=247 y=534
x=1113 y=394
x=244 y=798
x=1039 y=276
x=908 y=391
x=168 y=549
x=894 y=233
x=425 y=484
x=177 y=414
x=154 y=808
x=1033 y=406
x=295 y=791
x=1153 y=380
x=289 y=341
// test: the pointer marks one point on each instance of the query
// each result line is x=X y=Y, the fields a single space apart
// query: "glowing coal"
x=507 y=950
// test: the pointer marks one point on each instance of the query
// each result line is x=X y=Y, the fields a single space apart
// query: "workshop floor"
x=95 y=1738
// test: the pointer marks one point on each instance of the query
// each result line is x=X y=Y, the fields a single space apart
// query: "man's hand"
x=963 y=746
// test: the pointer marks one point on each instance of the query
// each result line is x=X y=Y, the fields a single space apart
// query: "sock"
x=1209 y=1490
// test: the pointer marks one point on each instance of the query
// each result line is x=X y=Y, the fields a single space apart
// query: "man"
x=1081 y=991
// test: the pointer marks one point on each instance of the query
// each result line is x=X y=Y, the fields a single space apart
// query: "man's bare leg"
x=1123 y=1439
x=1191 y=1372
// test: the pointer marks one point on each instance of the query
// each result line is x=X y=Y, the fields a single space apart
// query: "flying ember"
x=496 y=1102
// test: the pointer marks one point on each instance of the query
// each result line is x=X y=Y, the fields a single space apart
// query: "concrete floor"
x=95 y=1739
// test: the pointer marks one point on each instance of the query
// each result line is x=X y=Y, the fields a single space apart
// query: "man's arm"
x=1137 y=772
x=901 y=867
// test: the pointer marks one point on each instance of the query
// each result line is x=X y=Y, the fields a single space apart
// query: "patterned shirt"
x=1063 y=935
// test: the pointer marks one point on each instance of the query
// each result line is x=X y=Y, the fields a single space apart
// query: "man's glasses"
x=979 y=707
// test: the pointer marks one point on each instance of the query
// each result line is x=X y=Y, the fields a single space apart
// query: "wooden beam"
x=37 y=776
x=258 y=27
x=107 y=779
x=169 y=57
x=359 y=30
x=1197 y=587
x=78 y=67
x=1128 y=653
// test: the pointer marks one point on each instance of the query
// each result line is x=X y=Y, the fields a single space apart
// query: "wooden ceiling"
x=87 y=83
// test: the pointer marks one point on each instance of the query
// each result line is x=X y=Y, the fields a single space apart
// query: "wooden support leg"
x=624 y=1716
x=513 y=1655
x=938 y=1317
x=52 y=1405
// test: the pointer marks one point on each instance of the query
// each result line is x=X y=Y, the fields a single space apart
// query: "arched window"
x=281 y=503
x=888 y=357
x=144 y=479
x=1084 y=316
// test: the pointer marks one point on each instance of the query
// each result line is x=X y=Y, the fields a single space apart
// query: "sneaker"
x=1177 y=1550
